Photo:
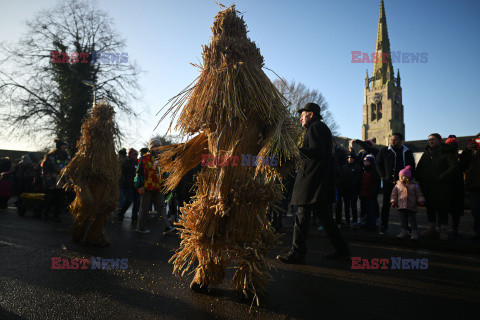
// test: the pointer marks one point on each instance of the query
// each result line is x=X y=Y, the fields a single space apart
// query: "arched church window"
x=379 y=111
x=373 y=108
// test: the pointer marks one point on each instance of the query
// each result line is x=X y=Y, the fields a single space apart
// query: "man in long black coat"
x=313 y=188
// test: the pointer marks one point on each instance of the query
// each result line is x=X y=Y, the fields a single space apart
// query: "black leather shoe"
x=292 y=258
x=197 y=287
x=339 y=255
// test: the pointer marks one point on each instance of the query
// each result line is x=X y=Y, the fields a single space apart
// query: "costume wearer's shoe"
x=343 y=254
x=292 y=258
x=197 y=287
x=402 y=234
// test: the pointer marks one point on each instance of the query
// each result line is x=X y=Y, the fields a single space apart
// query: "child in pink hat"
x=406 y=197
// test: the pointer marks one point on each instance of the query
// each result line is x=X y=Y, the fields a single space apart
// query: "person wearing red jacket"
x=149 y=183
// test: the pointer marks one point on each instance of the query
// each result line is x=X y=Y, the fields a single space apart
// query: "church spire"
x=382 y=72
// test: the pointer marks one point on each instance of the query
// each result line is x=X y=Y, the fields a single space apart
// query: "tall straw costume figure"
x=233 y=109
x=94 y=173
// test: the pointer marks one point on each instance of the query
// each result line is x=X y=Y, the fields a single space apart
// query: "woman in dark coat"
x=457 y=205
x=470 y=164
x=436 y=172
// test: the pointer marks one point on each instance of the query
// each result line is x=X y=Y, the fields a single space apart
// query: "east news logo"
x=92 y=263
x=359 y=263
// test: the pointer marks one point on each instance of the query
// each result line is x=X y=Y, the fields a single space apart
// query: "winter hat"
x=59 y=143
x=452 y=139
x=350 y=155
x=407 y=172
x=370 y=142
x=154 y=142
x=370 y=158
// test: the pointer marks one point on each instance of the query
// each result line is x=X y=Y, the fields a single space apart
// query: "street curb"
x=461 y=245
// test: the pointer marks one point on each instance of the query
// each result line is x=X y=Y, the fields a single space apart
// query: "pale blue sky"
x=310 y=42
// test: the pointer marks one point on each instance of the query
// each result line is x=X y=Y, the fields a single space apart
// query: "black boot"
x=343 y=254
x=292 y=258
x=197 y=287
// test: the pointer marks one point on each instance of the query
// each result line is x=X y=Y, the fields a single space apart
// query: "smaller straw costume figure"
x=94 y=173
x=236 y=114
x=406 y=197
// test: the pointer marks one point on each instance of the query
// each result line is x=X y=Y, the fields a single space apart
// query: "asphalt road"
x=321 y=289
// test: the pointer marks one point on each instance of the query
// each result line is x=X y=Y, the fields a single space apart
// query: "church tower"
x=382 y=108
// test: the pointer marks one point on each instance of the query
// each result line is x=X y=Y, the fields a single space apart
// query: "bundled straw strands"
x=232 y=109
x=94 y=172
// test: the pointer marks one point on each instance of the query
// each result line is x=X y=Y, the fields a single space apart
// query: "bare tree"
x=42 y=90
x=298 y=95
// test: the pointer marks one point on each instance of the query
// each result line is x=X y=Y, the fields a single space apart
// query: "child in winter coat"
x=406 y=197
x=369 y=189
x=350 y=180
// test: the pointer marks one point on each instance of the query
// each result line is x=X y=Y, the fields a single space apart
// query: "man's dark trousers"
x=302 y=224
x=130 y=195
x=475 y=205
x=387 y=193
